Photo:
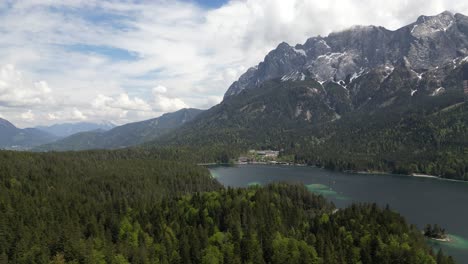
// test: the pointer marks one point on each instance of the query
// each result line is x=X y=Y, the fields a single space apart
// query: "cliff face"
x=430 y=42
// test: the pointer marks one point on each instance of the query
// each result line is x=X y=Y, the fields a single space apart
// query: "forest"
x=429 y=142
x=425 y=136
x=131 y=206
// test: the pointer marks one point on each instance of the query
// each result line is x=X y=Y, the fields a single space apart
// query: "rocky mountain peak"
x=283 y=46
x=426 y=26
x=444 y=16
x=429 y=42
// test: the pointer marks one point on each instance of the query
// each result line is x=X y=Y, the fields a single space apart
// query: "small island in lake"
x=436 y=233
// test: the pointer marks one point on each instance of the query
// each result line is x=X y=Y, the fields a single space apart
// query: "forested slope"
x=431 y=139
x=127 y=135
x=421 y=134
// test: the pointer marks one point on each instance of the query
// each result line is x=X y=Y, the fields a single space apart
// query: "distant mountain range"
x=15 y=138
x=68 y=129
x=126 y=135
x=366 y=98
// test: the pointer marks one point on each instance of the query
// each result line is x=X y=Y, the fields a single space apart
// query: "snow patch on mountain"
x=294 y=76
x=331 y=56
x=323 y=42
x=419 y=76
x=300 y=52
x=438 y=91
x=357 y=75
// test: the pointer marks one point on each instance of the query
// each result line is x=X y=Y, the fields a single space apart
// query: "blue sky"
x=107 y=51
x=211 y=3
x=125 y=61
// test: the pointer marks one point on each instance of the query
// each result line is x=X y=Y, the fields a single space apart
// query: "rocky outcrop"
x=429 y=43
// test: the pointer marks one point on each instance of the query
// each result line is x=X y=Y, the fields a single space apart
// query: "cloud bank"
x=124 y=61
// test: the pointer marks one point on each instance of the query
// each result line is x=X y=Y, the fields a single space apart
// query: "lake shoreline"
x=416 y=175
x=285 y=164
x=419 y=198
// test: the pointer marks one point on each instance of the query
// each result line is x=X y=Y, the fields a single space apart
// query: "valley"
x=351 y=147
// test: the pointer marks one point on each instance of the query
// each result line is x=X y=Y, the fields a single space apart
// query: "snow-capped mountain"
x=430 y=42
x=352 y=81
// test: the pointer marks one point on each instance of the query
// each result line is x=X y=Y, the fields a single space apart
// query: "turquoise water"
x=325 y=191
x=456 y=242
x=421 y=200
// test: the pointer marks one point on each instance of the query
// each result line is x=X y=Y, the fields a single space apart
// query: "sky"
x=128 y=60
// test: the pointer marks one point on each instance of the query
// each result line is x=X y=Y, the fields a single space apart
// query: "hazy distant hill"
x=12 y=137
x=68 y=129
x=125 y=135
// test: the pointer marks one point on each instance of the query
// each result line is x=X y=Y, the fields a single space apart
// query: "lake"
x=420 y=200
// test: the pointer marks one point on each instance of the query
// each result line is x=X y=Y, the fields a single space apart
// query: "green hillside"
x=124 y=136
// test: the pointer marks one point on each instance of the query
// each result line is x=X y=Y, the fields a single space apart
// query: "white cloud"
x=166 y=104
x=121 y=107
x=29 y=116
x=51 y=116
x=159 y=89
x=213 y=100
x=56 y=60
x=17 y=91
x=78 y=115
x=123 y=101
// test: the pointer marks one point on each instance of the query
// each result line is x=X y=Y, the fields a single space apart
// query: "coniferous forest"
x=132 y=207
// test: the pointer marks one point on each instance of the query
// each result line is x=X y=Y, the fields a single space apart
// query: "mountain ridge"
x=344 y=53
x=15 y=138
x=68 y=129
x=127 y=135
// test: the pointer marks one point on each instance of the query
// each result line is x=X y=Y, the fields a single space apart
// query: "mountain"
x=429 y=42
x=126 y=135
x=68 y=129
x=12 y=137
x=366 y=98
